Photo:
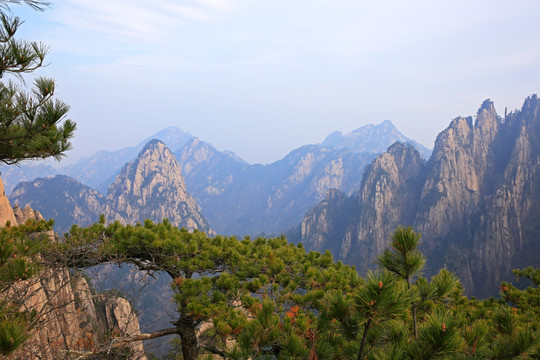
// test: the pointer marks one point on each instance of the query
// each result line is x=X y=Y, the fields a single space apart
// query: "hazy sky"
x=263 y=77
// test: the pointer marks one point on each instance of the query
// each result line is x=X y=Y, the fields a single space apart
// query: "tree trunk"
x=189 y=341
x=413 y=311
x=414 y=321
x=363 y=344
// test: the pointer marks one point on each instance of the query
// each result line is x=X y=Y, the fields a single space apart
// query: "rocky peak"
x=26 y=214
x=531 y=103
x=486 y=117
x=476 y=202
x=388 y=196
x=406 y=158
x=194 y=153
x=371 y=139
x=6 y=211
x=152 y=187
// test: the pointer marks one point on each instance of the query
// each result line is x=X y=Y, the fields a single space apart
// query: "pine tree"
x=33 y=125
x=404 y=259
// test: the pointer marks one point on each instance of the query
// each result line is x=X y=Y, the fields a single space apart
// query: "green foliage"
x=32 y=124
x=19 y=247
x=268 y=299
x=403 y=258
x=13 y=328
x=439 y=338
x=382 y=297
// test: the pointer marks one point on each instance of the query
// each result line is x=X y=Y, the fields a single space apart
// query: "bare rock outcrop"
x=476 y=201
x=152 y=187
x=6 y=211
x=71 y=318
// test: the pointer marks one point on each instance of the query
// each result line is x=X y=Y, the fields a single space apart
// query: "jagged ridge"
x=476 y=201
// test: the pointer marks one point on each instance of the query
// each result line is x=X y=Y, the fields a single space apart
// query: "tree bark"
x=189 y=341
x=363 y=344
x=413 y=311
x=415 y=321
x=160 y=333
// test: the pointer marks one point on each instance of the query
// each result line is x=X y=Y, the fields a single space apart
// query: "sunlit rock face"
x=152 y=187
x=70 y=316
x=6 y=211
x=476 y=201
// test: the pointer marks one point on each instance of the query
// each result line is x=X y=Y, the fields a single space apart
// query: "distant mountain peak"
x=486 y=105
x=387 y=123
x=373 y=139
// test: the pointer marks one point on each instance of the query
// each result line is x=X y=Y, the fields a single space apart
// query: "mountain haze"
x=476 y=201
x=237 y=198
x=97 y=171
x=372 y=139
x=150 y=187
x=240 y=199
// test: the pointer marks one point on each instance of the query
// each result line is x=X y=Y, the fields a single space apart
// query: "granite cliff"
x=72 y=317
x=152 y=187
x=475 y=201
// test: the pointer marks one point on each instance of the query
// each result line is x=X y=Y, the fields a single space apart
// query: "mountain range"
x=476 y=201
x=149 y=187
x=236 y=197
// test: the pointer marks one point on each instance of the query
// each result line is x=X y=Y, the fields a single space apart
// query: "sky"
x=261 y=78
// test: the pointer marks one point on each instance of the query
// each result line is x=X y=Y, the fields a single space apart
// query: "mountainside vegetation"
x=246 y=298
x=33 y=125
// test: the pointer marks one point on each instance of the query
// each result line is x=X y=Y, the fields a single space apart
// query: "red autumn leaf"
x=290 y=314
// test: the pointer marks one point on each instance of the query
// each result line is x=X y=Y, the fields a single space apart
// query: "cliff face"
x=6 y=212
x=70 y=316
x=152 y=187
x=475 y=202
x=387 y=197
x=73 y=319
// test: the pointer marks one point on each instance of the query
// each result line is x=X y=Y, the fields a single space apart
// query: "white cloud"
x=133 y=65
x=135 y=20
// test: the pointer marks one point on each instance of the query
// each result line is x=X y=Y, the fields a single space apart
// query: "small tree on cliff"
x=32 y=124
